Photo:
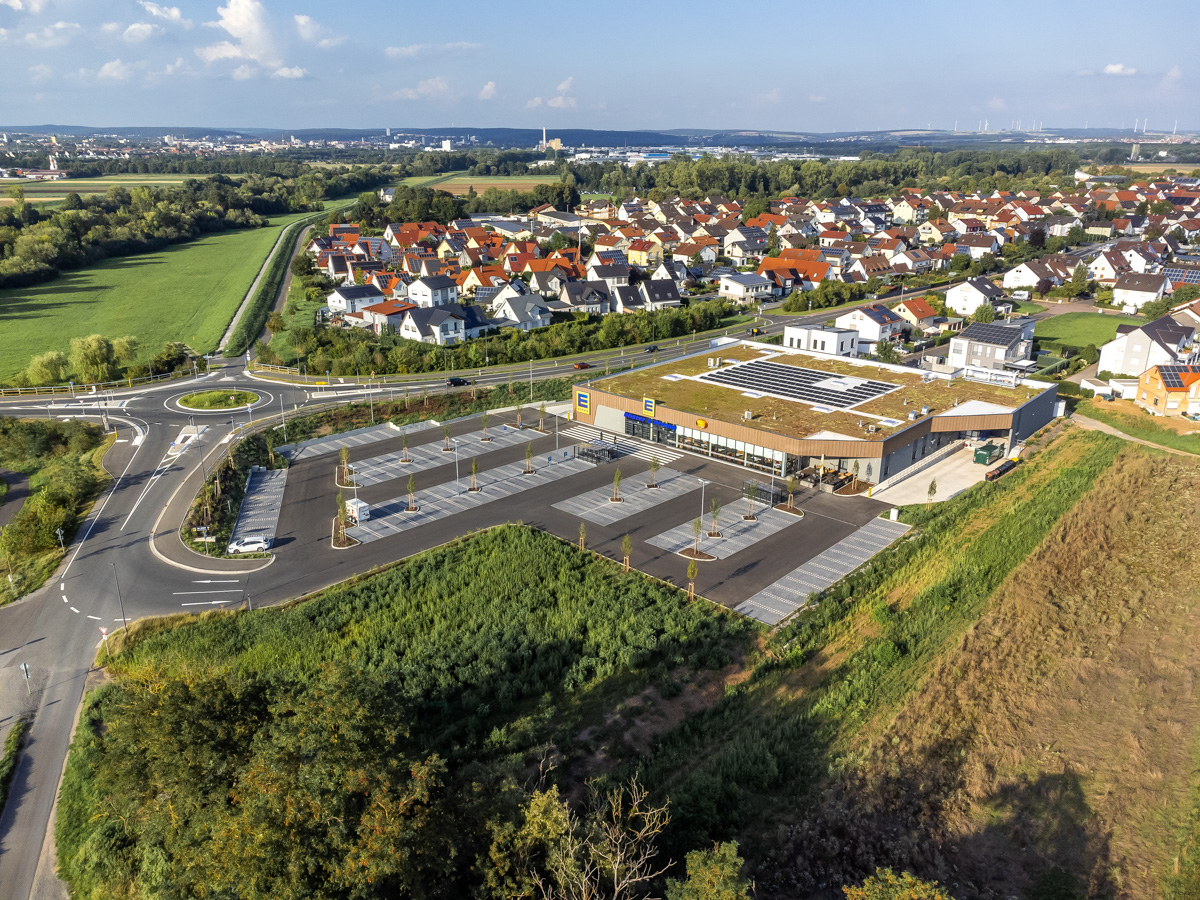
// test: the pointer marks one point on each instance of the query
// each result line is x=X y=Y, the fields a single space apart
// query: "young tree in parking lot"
x=474 y=473
x=542 y=417
x=582 y=535
x=344 y=459
x=654 y=467
x=446 y=435
x=626 y=549
x=412 y=493
x=854 y=471
x=697 y=530
x=529 y=459
x=616 y=497
x=931 y=493
x=483 y=421
x=404 y=446
x=716 y=512
x=792 y=484
x=341 y=516
x=691 y=574
x=751 y=498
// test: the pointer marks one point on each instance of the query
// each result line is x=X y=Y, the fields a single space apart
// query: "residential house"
x=821 y=339
x=434 y=290
x=644 y=254
x=1136 y=348
x=434 y=325
x=1170 y=390
x=991 y=346
x=660 y=294
x=968 y=296
x=936 y=231
x=745 y=287
x=614 y=275
x=1131 y=292
x=525 y=312
x=1029 y=274
x=385 y=316
x=592 y=297
x=874 y=323
x=921 y=317
x=1108 y=267
x=353 y=297
x=979 y=245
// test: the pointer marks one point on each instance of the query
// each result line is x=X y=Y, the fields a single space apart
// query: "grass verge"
x=1134 y=422
x=218 y=399
x=12 y=751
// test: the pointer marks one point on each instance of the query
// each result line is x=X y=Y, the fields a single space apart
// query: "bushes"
x=398 y=712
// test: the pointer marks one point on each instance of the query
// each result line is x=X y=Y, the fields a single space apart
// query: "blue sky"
x=800 y=66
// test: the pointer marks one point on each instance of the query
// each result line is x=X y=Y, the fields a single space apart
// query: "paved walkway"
x=954 y=474
x=378 y=469
x=736 y=533
x=597 y=506
x=393 y=517
x=259 y=515
x=626 y=446
x=787 y=595
x=1093 y=425
x=18 y=490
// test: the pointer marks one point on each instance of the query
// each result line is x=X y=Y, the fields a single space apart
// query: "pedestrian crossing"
x=625 y=445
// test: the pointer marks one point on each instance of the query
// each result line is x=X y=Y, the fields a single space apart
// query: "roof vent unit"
x=906 y=401
x=710 y=362
x=924 y=410
x=913 y=415
x=748 y=415
x=871 y=429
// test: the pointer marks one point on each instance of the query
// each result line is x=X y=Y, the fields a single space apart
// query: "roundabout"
x=217 y=400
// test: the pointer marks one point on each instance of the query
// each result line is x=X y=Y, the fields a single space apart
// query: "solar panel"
x=795 y=383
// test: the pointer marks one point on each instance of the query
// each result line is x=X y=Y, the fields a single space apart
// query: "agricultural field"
x=1079 y=329
x=461 y=184
x=56 y=191
x=186 y=292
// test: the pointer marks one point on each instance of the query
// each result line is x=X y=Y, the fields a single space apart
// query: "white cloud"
x=315 y=33
x=997 y=103
x=488 y=91
x=533 y=103
x=406 y=52
x=430 y=88
x=169 y=13
x=411 y=50
x=816 y=98
x=3 y=35
x=561 y=102
x=244 y=72
x=1119 y=69
x=174 y=67
x=57 y=35
x=245 y=21
x=289 y=72
x=31 y=6
x=110 y=27
x=139 y=31
x=39 y=73
x=114 y=70
x=565 y=86
x=1174 y=74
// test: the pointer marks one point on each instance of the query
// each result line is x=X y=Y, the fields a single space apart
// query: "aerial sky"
x=653 y=64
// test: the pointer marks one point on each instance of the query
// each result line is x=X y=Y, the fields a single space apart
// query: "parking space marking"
x=636 y=497
x=259 y=515
x=442 y=500
x=777 y=601
x=389 y=466
x=736 y=533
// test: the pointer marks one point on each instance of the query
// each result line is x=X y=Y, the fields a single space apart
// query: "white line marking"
x=215 y=581
x=204 y=603
x=64 y=599
x=187 y=593
x=62 y=587
x=97 y=618
x=158 y=473
x=74 y=610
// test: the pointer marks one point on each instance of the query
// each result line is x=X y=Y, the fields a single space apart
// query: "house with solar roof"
x=1170 y=390
x=1136 y=348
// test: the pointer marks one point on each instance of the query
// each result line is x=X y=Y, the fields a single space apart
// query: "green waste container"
x=987 y=454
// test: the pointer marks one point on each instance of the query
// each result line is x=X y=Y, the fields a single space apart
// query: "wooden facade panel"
x=973 y=423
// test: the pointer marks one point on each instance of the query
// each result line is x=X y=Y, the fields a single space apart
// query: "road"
x=114 y=571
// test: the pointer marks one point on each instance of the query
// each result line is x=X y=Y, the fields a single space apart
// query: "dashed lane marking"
x=74 y=610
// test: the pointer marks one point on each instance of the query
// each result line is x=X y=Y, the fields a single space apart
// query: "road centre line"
x=74 y=610
x=187 y=593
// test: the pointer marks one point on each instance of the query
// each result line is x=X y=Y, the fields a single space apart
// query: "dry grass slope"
x=1053 y=748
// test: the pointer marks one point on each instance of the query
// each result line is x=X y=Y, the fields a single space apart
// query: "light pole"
x=283 y=416
x=120 y=599
x=455 y=442
x=531 y=381
x=702 y=485
x=370 y=401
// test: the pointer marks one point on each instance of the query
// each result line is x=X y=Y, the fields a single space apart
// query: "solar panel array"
x=1182 y=274
x=1172 y=376
x=796 y=383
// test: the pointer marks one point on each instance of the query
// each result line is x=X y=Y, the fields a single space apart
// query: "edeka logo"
x=583 y=402
x=648 y=407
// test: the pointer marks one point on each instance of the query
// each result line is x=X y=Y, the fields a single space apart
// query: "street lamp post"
x=703 y=483
x=456 y=485
x=282 y=417
x=120 y=599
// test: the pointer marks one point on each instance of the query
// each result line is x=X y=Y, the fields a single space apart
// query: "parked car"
x=583 y=365
x=456 y=382
x=653 y=348
x=252 y=544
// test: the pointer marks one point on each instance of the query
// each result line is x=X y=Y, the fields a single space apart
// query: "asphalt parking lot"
x=305 y=523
